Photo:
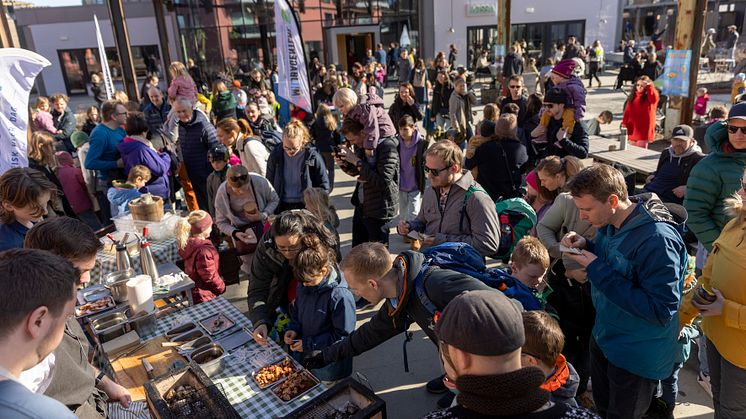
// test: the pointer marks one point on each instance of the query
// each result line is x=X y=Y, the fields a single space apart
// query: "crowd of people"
x=596 y=288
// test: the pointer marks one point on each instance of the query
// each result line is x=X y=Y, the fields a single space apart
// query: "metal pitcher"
x=123 y=258
x=147 y=262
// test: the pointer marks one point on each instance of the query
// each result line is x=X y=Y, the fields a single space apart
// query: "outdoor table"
x=237 y=384
x=641 y=160
x=164 y=251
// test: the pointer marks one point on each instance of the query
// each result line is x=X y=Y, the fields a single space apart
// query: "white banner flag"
x=108 y=82
x=291 y=60
x=18 y=70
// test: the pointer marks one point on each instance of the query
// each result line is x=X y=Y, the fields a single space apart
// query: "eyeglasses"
x=291 y=249
x=515 y=87
x=549 y=105
x=435 y=172
x=291 y=149
x=120 y=113
x=734 y=129
x=239 y=178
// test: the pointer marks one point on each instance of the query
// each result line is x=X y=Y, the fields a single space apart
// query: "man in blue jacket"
x=103 y=156
x=636 y=265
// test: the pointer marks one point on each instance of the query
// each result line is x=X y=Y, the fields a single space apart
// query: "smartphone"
x=573 y=250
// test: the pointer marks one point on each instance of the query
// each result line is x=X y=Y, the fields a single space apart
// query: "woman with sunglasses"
x=243 y=205
x=295 y=166
x=639 y=112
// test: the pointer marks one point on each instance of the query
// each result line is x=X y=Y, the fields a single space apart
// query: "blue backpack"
x=463 y=258
x=271 y=138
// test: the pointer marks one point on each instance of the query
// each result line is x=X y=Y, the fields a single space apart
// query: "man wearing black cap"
x=674 y=166
x=376 y=275
x=480 y=334
x=559 y=142
x=218 y=158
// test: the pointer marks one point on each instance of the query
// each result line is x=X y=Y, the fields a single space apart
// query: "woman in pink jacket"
x=75 y=189
x=182 y=84
x=201 y=259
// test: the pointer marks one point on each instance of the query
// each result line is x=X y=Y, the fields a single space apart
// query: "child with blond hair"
x=367 y=110
x=43 y=120
x=201 y=258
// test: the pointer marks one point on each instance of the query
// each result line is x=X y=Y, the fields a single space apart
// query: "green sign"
x=481 y=9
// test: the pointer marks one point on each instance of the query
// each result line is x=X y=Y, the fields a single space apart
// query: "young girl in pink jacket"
x=182 y=84
x=201 y=260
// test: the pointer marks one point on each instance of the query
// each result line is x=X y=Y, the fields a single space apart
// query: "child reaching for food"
x=24 y=196
x=201 y=259
x=324 y=307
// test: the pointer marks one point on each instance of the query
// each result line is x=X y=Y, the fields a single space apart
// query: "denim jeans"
x=669 y=388
x=409 y=204
x=728 y=386
x=618 y=393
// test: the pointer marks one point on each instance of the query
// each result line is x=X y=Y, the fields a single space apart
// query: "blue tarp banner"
x=676 y=72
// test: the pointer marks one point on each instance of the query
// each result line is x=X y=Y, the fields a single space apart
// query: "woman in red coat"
x=639 y=114
x=200 y=256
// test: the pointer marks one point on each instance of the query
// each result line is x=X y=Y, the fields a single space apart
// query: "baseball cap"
x=483 y=322
x=218 y=153
x=684 y=132
x=738 y=111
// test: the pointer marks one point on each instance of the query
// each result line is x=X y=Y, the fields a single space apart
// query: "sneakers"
x=436 y=385
x=704 y=380
x=416 y=245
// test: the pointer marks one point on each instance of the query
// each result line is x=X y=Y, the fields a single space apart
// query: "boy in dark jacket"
x=218 y=157
x=442 y=90
x=543 y=349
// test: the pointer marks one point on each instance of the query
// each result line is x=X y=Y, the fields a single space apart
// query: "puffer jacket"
x=563 y=383
x=684 y=163
x=395 y=315
x=135 y=153
x=195 y=138
x=441 y=96
x=713 y=179
x=65 y=123
x=156 y=117
x=201 y=262
x=380 y=181
x=314 y=174
x=376 y=122
x=637 y=281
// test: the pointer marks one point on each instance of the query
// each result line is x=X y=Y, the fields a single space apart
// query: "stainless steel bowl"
x=110 y=326
x=117 y=282
x=190 y=335
x=210 y=358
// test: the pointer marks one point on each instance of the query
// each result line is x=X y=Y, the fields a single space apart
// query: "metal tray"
x=95 y=293
x=178 y=330
x=234 y=340
x=109 y=305
x=279 y=380
x=207 y=324
x=305 y=373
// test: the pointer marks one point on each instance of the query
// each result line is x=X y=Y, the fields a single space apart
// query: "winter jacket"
x=714 y=178
x=459 y=110
x=375 y=120
x=652 y=69
x=441 y=97
x=99 y=92
x=314 y=175
x=398 y=109
x=669 y=162
x=500 y=163
x=73 y=184
x=135 y=152
x=65 y=124
x=119 y=198
x=512 y=65
x=637 y=281
x=395 y=316
x=183 y=86
x=201 y=263
x=265 y=197
x=478 y=226
x=576 y=92
x=12 y=235
x=325 y=314
x=571 y=51
x=323 y=138
x=43 y=121
x=521 y=102
x=725 y=271
x=563 y=382
x=213 y=184
x=195 y=138
x=104 y=152
x=253 y=153
x=61 y=206
x=89 y=126
x=561 y=218
x=224 y=105
x=639 y=115
x=380 y=181
x=419 y=159
x=700 y=105
x=156 y=117
x=576 y=144
x=405 y=70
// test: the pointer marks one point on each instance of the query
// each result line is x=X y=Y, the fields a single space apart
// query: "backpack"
x=516 y=216
x=271 y=138
x=463 y=258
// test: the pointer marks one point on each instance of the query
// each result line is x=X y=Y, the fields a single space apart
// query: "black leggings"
x=593 y=72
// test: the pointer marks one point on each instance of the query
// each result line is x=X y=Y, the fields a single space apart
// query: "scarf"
x=559 y=376
x=514 y=393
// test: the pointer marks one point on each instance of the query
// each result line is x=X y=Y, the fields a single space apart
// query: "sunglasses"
x=435 y=172
x=549 y=105
x=733 y=129
x=515 y=87
x=240 y=178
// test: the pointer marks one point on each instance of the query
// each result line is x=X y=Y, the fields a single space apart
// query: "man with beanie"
x=674 y=166
x=377 y=275
x=480 y=334
x=558 y=141
x=218 y=158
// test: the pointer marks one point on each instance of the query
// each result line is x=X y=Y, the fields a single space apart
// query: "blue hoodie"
x=637 y=284
x=325 y=314
x=134 y=152
x=119 y=198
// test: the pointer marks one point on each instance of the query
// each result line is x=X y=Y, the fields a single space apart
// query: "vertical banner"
x=108 y=82
x=676 y=72
x=18 y=70
x=291 y=59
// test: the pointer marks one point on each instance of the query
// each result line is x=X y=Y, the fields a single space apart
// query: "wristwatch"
x=100 y=377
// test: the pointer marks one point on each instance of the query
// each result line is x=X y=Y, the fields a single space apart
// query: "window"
x=328 y=19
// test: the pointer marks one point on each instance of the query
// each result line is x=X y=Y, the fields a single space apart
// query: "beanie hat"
x=218 y=153
x=237 y=83
x=531 y=180
x=78 y=138
x=556 y=95
x=564 y=68
x=507 y=126
x=202 y=225
x=481 y=322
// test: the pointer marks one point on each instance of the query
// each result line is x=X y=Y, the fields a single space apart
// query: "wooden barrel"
x=147 y=212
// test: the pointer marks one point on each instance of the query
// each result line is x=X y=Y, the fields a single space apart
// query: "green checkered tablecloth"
x=163 y=252
x=238 y=385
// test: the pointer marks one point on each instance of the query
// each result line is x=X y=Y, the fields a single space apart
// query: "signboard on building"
x=481 y=9
x=676 y=72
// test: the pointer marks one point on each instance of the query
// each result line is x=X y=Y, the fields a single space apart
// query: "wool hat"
x=531 y=180
x=556 y=95
x=738 y=111
x=237 y=83
x=202 y=225
x=683 y=132
x=218 y=153
x=78 y=138
x=564 y=68
x=507 y=126
x=481 y=322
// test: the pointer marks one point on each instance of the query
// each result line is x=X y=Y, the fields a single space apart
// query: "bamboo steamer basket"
x=142 y=211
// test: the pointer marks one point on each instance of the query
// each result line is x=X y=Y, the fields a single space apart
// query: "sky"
x=50 y=3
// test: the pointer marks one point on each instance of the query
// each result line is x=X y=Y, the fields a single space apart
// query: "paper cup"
x=140 y=294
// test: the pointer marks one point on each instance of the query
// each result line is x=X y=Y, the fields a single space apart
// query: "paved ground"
x=383 y=366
